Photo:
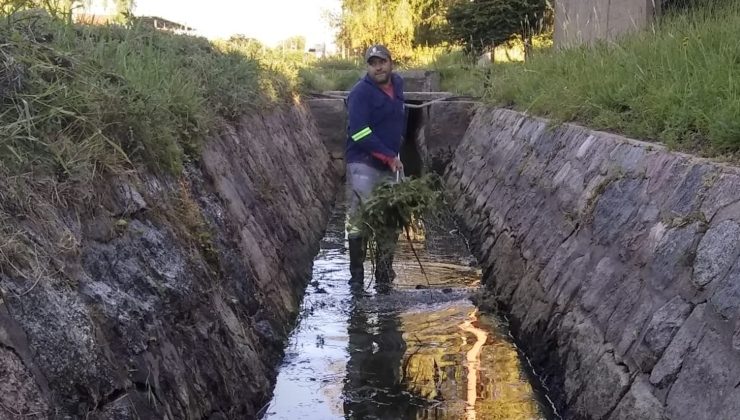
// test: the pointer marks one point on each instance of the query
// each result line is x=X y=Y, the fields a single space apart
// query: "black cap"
x=379 y=51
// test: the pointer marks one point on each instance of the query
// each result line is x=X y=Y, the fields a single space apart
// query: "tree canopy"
x=124 y=7
x=480 y=25
x=399 y=24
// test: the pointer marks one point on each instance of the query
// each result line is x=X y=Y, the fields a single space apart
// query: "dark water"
x=416 y=353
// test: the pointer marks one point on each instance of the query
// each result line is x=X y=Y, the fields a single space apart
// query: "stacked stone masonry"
x=158 y=297
x=617 y=260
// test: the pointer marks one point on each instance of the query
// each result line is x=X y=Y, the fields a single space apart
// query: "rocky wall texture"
x=443 y=127
x=617 y=260
x=157 y=297
x=331 y=117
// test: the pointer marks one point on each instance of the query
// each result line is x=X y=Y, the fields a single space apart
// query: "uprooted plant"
x=396 y=207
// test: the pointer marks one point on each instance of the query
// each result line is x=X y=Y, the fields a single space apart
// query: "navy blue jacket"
x=376 y=122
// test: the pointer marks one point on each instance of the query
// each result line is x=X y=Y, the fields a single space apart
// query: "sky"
x=270 y=21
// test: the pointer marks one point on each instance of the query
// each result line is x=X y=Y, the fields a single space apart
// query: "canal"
x=423 y=351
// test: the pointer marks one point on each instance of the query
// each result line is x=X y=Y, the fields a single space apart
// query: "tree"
x=121 y=8
x=366 y=22
x=54 y=7
x=124 y=7
x=294 y=43
x=480 y=25
x=248 y=46
x=399 y=24
x=430 y=21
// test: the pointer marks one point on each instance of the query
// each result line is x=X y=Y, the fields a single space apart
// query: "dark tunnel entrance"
x=413 y=163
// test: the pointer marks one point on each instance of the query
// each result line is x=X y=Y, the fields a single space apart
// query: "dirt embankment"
x=160 y=297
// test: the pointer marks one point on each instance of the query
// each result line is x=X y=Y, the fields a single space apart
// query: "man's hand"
x=393 y=162
x=396 y=165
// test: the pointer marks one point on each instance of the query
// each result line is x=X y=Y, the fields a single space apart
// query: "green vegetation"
x=398 y=207
x=678 y=82
x=443 y=35
x=406 y=26
x=458 y=73
x=395 y=206
x=480 y=25
x=331 y=74
x=401 y=25
x=81 y=100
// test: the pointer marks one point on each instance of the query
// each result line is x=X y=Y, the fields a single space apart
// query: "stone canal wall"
x=152 y=296
x=617 y=260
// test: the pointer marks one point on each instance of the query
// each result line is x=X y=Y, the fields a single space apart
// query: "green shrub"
x=458 y=72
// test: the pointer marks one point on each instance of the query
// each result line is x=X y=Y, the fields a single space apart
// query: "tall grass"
x=459 y=73
x=331 y=74
x=78 y=100
x=467 y=75
x=678 y=82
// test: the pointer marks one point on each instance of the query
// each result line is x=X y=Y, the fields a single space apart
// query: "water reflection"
x=473 y=363
x=373 y=387
x=412 y=354
x=441 y=362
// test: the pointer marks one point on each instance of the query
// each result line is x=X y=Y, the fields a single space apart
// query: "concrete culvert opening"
x=411 y=155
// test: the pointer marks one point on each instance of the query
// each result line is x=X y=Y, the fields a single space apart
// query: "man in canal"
x=376 y=126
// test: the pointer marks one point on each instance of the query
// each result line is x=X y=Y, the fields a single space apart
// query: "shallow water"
x=424 y=351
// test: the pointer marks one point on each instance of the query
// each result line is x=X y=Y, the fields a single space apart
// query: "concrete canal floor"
x=420 y=352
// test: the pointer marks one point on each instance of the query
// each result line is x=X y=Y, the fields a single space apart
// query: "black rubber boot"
x=356 y=261
x=384 y=274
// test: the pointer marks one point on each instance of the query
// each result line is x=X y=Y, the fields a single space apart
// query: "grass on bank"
x=678 y=83
x=77 y=100
x=331 y=74
x=457 y=72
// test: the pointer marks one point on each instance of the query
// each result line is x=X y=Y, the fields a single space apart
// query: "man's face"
x=379 y=70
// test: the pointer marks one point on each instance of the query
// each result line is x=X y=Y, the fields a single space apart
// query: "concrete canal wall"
x=617 y=260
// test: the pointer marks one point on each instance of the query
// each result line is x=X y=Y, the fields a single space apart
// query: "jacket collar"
x=394 y=79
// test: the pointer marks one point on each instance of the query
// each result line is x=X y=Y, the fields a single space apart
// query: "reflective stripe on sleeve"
x=362 y=134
